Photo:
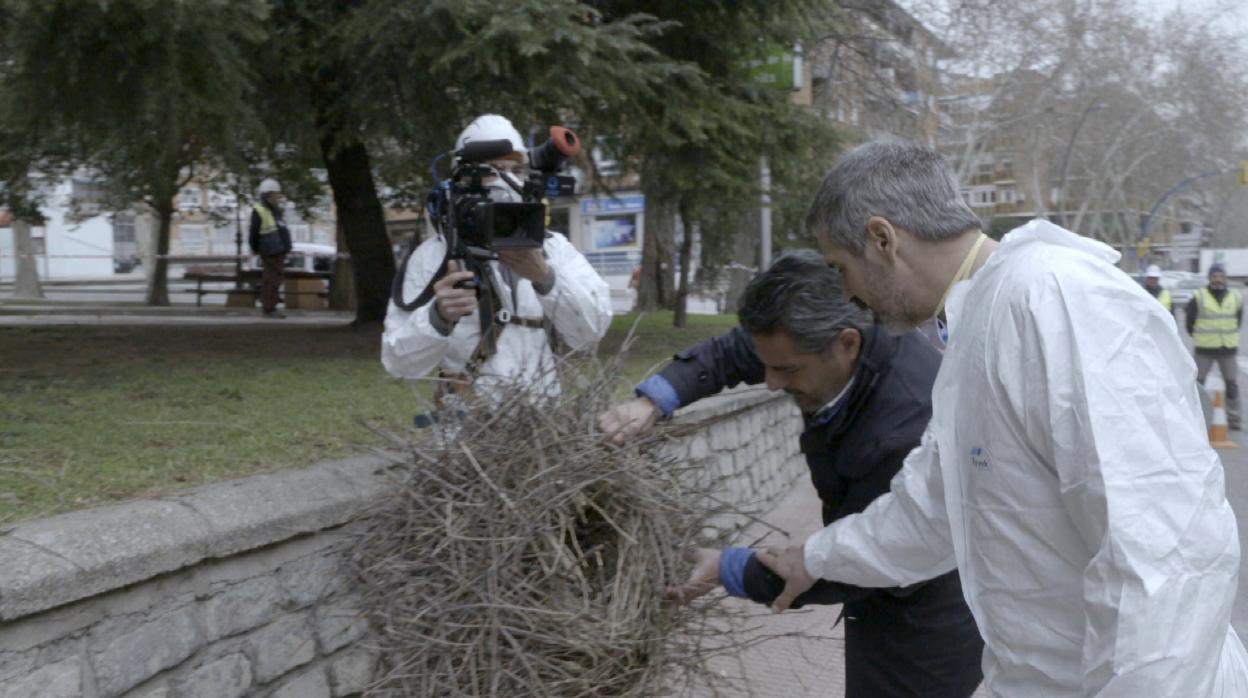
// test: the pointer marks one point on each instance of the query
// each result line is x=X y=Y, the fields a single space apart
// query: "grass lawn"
x=98 y=414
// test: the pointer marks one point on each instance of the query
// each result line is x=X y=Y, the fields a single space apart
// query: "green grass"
x=98 y=414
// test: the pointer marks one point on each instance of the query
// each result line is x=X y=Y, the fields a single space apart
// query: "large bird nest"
x=519 y=556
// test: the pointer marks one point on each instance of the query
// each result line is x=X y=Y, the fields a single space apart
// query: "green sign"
x=778 y=68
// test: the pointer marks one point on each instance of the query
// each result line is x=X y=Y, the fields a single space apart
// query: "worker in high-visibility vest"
x=1214 y=316
x=270 y=238
x=1152 y=284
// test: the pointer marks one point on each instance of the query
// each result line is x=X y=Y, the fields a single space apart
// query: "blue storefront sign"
x=606 y=206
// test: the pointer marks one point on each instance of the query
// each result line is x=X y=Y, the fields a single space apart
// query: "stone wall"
x=237 y=589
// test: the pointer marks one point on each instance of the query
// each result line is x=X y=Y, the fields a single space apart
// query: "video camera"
x=477 y=226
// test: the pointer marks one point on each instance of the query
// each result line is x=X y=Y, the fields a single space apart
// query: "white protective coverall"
x=579 y=305
x=1067 y=472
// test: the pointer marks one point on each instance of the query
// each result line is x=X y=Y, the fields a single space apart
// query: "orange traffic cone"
x=1219 y=435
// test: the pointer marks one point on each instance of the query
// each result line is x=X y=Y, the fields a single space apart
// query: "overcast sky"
x=1235 y=11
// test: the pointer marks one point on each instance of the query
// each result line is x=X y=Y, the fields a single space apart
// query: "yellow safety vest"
x=1163 y=297
x=1217 y=324
x=268 y=223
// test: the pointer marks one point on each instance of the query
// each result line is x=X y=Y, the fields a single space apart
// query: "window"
x=983 y=197
x=223 y=238
x=123 y=227
x=189 y=199
x=219 y=199
x=604 y=157
x=193 y=239
x=86 y=194
x=300 y=233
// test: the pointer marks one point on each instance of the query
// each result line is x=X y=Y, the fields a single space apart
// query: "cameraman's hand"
x=454 y=303
x=628 y=420
x=529 y=263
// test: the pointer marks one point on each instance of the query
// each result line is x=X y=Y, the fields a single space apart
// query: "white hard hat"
x=269 y=186
x=492 y=127
x=1154 y=271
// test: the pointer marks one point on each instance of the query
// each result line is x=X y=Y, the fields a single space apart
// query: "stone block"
x=281 y=646
x=699 y=447
x=106 y=548
x=243 y=606
x=310 y=684
x=26 y=575
x=49 y=626
x=227 y=677
x=256 y=511
x=15 y=663
x=716 y=433
x=125 y=661
x=352 y=672
x=157 y=689
x=312 y=578
x=340 y=624
x=60 y=680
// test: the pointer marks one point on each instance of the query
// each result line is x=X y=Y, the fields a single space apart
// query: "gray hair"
x=800 y=295
x=909 y=185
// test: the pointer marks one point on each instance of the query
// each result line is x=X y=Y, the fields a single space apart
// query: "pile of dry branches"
x=519 y=556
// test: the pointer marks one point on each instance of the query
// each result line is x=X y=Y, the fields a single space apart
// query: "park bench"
x=248 y=283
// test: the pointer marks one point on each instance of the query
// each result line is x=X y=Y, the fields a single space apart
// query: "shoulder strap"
x=396 y=286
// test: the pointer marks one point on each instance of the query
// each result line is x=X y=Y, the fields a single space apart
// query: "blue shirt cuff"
x=732 y=562
x=661 y=393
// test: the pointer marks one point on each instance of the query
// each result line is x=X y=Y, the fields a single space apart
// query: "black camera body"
x=478 y=226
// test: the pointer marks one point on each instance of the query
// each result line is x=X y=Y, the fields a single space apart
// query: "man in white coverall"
x=553 y=285
x=1066 y=471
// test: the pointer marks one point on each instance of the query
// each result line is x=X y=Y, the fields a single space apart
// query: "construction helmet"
x=492 y=127
x=1154 y=272
x=270 y=186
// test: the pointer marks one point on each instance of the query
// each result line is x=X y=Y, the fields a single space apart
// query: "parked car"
x=1181 y=284
x=306 y=256
x=1183 y=288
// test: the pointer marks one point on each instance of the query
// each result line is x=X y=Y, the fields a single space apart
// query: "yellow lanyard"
x=964 y=271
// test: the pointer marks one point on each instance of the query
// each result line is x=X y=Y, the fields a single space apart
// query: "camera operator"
x=534 y=290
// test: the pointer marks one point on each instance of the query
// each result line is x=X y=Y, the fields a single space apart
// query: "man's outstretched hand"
x=703 y=578
x=790 y=565
x=628 y=420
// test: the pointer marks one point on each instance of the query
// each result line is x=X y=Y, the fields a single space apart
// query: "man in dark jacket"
x=865 y=395
x=270 y=238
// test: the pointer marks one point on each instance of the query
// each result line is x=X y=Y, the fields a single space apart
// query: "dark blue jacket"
x=919 y=640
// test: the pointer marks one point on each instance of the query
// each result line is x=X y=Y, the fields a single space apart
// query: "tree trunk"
x=27 y=282
x=686 y=254
x=363 y=224
x=655 y=290
x=158 y=273
x=343 y=295
x=744 y=259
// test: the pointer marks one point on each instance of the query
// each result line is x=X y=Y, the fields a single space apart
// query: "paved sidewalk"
x=793 y=667
x=18 y=312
